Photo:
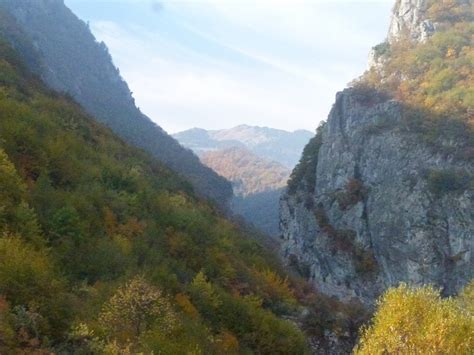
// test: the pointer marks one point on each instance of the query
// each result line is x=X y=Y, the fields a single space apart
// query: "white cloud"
x=278 y=63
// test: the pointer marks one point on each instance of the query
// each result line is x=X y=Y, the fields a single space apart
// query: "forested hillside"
x=249 y=173
x=257 y=182
x=433 y=77
x=60 y=48
x=103 y=249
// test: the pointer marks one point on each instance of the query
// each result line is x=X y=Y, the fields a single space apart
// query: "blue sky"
x=219 y=63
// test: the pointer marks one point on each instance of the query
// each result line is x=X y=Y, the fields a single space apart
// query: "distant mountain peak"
x=269 y=143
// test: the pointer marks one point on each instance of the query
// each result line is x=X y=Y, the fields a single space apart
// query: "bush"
x=446 y=181
x=26 y=275
x=365 y=262
x=418 y=321
x=353 y=193
x=134 y=307
x=382 y=49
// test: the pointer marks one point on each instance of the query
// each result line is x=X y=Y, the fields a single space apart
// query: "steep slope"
x=384 y=193
x=61 y=49
x=105 y=250
x=269 y=143
x=248 y=173
x=258 y=184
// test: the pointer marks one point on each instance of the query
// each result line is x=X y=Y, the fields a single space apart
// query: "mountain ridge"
x=69 y=59
x=270 y=143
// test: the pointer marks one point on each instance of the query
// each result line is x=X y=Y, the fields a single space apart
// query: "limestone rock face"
x=372 y=220
x=409 y=17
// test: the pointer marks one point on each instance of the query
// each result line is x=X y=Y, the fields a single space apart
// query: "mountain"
x=384 y=193
x=61 y=49
x=269 y=143
x=103 y=249
x=257 y=160
x=248 y=172
x=257 y=183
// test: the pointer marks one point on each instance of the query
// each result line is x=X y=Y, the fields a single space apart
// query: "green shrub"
x=354 y=192
x=382 y=49
x=448 y=181
x=303 y=176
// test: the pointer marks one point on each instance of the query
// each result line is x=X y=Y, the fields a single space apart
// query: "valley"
x=256 y=160
x=117 y=237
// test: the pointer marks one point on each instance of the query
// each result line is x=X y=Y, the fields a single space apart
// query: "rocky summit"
x=409 y=18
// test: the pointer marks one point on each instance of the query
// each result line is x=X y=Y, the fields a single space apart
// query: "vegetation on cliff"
x=433 y=78
x=303 y=175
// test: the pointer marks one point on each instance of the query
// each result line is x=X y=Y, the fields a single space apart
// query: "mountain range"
x=268 y=143
x=256 y=160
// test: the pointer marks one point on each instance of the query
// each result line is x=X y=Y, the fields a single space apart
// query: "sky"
x=216 y=64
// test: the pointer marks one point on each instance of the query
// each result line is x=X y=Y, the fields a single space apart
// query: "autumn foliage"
x=413 y=320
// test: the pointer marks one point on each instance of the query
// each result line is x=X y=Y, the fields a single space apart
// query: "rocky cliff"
x=375 y=201
x=409 y=18
x=373 y=219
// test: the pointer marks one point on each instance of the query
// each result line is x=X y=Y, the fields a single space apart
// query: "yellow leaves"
x=178 y=200
x=435 y=75
x=466 y=298
x=450 y=53
x=418 y=321
x=125 y=246
x=274 y=288
x=133 y=308
x=12 y=188
x=25 y=274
